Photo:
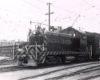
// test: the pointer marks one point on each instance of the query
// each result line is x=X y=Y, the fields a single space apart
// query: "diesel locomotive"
x=55 y=47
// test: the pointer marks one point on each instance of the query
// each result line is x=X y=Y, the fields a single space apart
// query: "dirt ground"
x=68 y=71
x=5 y=60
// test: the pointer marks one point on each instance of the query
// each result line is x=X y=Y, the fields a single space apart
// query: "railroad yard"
x=68 y=71
x=64 y=46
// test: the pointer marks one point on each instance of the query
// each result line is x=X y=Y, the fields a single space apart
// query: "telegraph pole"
x=49 y=14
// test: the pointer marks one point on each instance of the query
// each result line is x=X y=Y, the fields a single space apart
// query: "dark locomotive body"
x=93 y=41
x=60 y=42
x=60 y=46
x=79 y=39
x=66 y=45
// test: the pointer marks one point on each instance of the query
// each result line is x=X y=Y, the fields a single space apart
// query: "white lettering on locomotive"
x=59 y=41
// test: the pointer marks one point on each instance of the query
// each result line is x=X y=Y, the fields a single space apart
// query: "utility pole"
x=49 y=14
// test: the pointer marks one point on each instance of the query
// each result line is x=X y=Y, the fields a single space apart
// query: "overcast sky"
x=15 y=16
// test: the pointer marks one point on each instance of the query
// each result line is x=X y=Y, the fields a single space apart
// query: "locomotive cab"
x=36 y=39
x=79 y=42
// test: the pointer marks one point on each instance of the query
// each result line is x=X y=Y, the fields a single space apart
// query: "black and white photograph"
x=49 y=39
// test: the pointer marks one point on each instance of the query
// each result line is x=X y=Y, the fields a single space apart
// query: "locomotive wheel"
x=58 y=60
x=20 y=60
x=20 y=63
x=63 y=59
x=46 y=61
x=76 y=59
x=97 y=57
x=87 y=58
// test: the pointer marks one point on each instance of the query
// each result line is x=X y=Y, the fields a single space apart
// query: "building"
x=9 y=46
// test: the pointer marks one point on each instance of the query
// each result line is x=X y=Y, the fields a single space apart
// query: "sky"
x=15 y=16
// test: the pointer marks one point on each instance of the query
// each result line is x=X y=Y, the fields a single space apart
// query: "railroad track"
x=65 y=68
x=16 y=68
x=91 y=77
x=51 y=70
x=83 y=71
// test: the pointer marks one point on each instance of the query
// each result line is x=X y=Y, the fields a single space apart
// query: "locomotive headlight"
x=23 y=55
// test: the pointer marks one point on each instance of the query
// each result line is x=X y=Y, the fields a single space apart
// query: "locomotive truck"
x=53 y=48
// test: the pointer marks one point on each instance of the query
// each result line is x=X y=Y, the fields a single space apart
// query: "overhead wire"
x=37 y=7
x=94 y=7
x=67 y=10
x=21 y=14
x=41 y=1
x=60 y=8
x=55 y=6
x=34 y=6
x=90 y=5
x=14 y=13
x=80 y=14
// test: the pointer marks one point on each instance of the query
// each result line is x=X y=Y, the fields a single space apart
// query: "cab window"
x=36 y=39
